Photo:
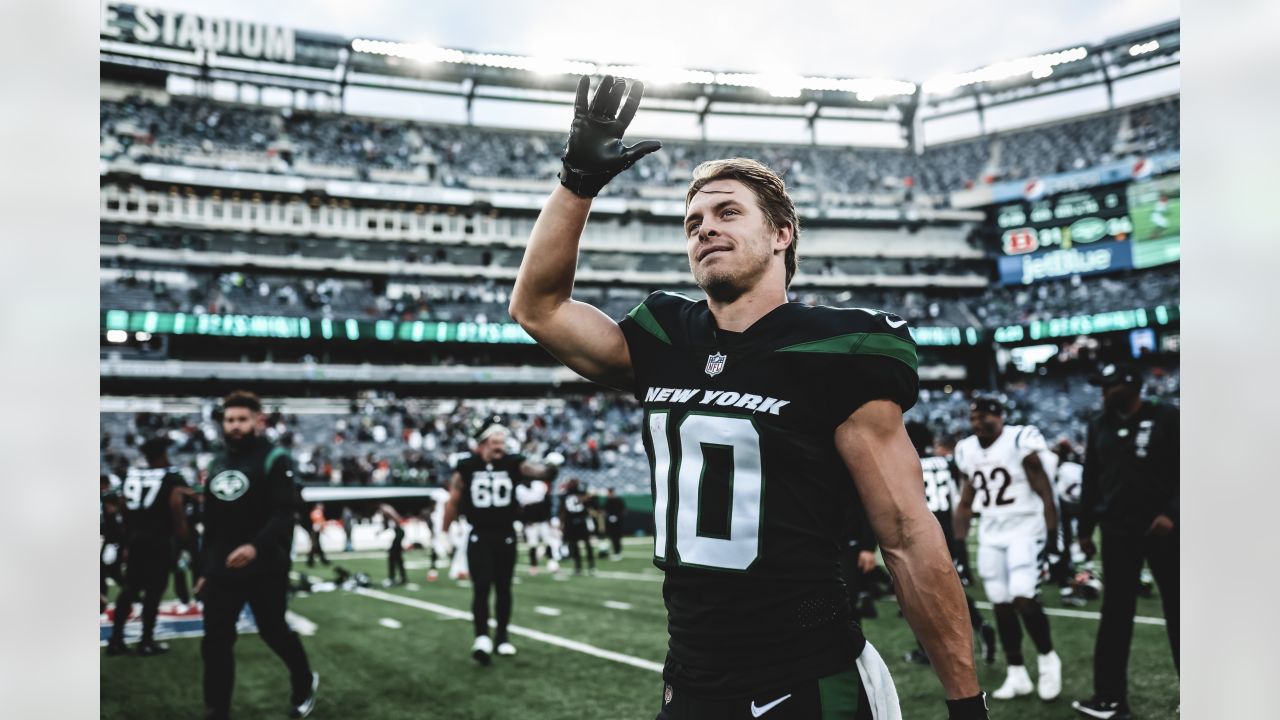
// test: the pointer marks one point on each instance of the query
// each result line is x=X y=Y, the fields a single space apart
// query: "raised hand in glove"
x=595 y=153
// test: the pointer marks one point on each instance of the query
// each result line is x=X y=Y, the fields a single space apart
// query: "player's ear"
x=783 y=238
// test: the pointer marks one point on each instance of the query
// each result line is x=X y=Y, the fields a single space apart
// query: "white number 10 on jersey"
x=696 y=431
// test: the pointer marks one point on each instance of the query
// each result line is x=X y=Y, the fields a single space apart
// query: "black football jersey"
x=489 y=492
x=575 y=509
x=750 y=494
x=145 y=492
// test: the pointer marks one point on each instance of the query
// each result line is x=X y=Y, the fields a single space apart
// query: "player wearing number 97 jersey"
x=154 y=515
x=1005 y=480
x=483 y=489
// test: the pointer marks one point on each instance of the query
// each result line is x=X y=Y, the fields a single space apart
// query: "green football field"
x=589 y=647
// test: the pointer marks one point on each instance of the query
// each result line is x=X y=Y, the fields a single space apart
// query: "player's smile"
x=707 y=252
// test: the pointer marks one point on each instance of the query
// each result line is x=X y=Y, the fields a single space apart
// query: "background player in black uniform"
x=249 y=507
x=573 y=521
x=940 y=494
x=615 y=513
x=483 y=489
x=395 y=553
x=153 y=516
x=111 y=527
x=741 y=391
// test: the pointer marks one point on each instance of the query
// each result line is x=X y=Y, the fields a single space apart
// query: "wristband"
x=970 y=708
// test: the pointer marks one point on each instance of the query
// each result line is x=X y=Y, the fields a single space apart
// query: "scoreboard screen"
x=1060 y=222
x=1155 y=206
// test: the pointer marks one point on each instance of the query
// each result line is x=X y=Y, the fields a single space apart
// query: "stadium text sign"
x=1051 y=264
x=189 y=31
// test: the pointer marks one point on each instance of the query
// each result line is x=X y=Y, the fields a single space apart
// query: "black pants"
x=1122 y=556
x=316 y=550
x=267 y=598
x=835 y=697
x=492 y=559
x=614 y=531
x=146 y=574
x=572 y=537
x=395 y=562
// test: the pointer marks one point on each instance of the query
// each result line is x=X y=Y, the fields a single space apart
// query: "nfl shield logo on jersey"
x=715 y=364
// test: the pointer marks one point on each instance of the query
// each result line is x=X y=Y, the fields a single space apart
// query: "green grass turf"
x=423 y=669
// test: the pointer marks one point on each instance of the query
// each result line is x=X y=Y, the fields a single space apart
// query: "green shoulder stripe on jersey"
x=862 y=344
x=275 y=454
x=645 y=319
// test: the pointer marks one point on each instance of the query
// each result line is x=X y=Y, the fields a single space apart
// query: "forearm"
x=961 y=522
x=545 y=279
x=932 y=601
x=450 y=514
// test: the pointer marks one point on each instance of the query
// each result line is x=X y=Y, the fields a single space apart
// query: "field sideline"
x=589 y=647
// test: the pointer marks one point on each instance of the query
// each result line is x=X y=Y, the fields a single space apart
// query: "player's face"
x=985 y=425
x=239 y=424
x=494 y=447
x=1118 y=396
x=730 y=241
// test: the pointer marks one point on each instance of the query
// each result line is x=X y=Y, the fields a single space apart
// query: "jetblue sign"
x=1053 y=264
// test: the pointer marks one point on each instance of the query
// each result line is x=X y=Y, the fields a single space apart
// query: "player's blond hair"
x=766 y=185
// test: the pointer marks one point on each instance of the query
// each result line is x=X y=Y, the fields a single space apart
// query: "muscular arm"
x=577 y=334
x=455 y=499
x=962 y=518
x=874 y=445
x=538 y=471
x=1039 y=481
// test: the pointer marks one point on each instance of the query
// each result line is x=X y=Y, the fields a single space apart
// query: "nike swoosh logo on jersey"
x=761 y=710
x=893 y=324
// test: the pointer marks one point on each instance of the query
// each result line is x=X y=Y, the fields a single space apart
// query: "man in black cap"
x=1131 y=491
x=249 y=508
x=154 y=515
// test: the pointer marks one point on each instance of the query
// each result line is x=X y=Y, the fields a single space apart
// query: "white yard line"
x=615 y=605
x=622 y=575
x=548 y=611
x=300 y=625
x=1083 y=614
x=391 y=623
x=537 y=635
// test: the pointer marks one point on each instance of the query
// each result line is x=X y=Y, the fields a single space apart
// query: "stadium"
x=268 y=222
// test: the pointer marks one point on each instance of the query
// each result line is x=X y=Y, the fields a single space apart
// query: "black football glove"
x=1050 y=554
x=595 y=153
x=971 y=708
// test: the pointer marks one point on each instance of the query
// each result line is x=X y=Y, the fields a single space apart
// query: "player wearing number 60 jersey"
x=483 y=488
x=765 y=421
x=1005 y=480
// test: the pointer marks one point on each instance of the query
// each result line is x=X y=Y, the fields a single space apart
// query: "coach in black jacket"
x=1131 y=491
x=249 y=506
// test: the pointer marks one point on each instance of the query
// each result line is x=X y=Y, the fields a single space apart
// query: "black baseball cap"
x=988 y=404
x=1113 y=374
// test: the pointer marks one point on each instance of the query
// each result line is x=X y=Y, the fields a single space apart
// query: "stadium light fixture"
x=1144 y=48
x=1038 y=66
x=780 y=85
x=117 y=336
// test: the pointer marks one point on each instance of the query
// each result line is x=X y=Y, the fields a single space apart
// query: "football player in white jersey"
x=1003 y=474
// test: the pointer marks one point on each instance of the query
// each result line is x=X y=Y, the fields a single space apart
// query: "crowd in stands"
x=380 y=441
x=249 y=293
x=287 y=140
x=1022 y=304
x=1060 y=405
